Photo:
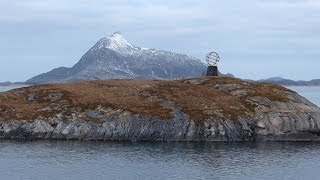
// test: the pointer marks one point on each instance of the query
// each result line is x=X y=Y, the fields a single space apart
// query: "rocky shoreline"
x=198 y=109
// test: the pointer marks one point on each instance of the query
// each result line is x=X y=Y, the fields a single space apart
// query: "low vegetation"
x=200 y=99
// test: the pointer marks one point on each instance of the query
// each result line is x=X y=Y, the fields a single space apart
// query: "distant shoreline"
x=6 y=84
x=275 y=80
x=11 y=87
x=285 y=85
x=14 y=85
x=288 y=82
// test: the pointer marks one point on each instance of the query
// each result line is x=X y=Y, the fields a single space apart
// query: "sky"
x=256 y=39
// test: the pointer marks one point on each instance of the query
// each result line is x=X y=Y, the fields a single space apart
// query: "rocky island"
x=196 y=109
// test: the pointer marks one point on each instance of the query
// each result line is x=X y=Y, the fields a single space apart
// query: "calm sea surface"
x=7 y=88
x=115 y=160
x=311 y=93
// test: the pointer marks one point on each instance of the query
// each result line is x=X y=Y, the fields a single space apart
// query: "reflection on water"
x=110 y=160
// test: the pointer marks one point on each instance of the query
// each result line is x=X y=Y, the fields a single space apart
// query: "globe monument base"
x=212 y=71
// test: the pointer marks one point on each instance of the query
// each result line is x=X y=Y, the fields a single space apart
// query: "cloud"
x=251 y=18
x=85 y=11
x=292 y=4
x=248 y=29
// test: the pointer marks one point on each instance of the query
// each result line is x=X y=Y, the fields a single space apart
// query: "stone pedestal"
x=212 y=71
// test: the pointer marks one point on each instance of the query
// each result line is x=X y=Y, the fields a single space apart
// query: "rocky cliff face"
x=198 y=109
x=114 y=58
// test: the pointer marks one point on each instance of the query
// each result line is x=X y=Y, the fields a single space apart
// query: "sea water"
x=123 y=160
x=310 y=92
x=10 y=87
x=118 y=160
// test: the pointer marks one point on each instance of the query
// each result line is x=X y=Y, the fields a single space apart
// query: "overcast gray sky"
x=255 y=38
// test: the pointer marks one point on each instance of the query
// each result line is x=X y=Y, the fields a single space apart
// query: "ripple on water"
x=101 y=160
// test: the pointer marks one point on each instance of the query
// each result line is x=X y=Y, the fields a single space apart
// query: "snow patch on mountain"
x=117 y=43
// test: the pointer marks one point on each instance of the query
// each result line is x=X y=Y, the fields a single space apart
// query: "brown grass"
x=206 y=100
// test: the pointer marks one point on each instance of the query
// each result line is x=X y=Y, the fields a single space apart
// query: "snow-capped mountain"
x=113 y=57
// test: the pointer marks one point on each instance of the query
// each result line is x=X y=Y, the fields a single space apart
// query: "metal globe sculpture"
x=212 y=60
